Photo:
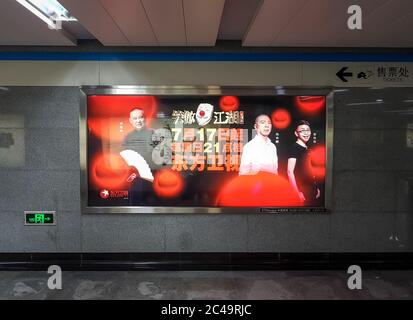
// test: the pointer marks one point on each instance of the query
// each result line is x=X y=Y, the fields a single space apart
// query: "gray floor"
x=207 y=285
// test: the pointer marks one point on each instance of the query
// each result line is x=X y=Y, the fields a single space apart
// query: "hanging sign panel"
x=205 y=151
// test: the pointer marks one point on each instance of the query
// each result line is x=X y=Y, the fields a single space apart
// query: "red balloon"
x=318 y=161
x=281 y=118
x=113 y=129
x=109 y=171
x=168 y=183
x=310 y=104
x=260 y=190
x=229 y=103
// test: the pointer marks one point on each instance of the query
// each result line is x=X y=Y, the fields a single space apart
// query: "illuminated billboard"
x=164 y=149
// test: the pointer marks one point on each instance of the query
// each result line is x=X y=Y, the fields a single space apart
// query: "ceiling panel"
x=77 y=30
x=388 y=25
x=236 y=18
x=399 y=33
x=274 y=23
x=18 y=26
x=131 y=18
x=167 y=20
x=321 y=22
x=270 y=19
x=202 y=19
x=95 y=18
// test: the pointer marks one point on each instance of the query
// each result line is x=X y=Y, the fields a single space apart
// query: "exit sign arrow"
x=342 y=74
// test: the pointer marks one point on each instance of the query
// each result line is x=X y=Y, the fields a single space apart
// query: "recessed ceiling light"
x=50 y=11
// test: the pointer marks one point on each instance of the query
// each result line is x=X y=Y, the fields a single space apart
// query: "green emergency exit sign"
x=39 y=218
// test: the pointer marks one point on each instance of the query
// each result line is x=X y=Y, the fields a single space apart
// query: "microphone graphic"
x=132 y=177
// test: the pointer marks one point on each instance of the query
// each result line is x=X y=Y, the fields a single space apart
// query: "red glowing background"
x=108 y=116
x=318 y=161
x=310 y=104
x=229 y=103
x=168 y=183
x=281 y=118
x=109 y=171
x=108 y=121
x=260 y=190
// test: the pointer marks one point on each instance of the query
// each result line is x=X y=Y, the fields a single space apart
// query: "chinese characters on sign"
x=207 y=149
x=368 y=75
x=210 y=149
x=393 y=73
x=220 y=117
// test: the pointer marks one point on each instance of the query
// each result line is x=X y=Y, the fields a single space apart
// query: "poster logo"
x=104 y=194
x=204 y=113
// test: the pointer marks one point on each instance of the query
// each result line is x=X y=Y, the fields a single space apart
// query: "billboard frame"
x=85 y=91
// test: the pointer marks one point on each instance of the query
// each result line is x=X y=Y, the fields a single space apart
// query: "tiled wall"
x=372 y=201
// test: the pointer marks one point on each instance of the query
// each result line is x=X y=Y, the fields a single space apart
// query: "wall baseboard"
x=205 y=261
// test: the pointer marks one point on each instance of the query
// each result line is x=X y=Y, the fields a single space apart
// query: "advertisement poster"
x=206 y=151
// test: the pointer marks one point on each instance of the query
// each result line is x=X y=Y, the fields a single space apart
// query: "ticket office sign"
x=205 y=151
